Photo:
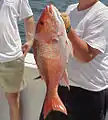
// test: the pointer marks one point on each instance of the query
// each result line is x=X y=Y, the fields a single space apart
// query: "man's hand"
x=26 y=47
x=66 y=20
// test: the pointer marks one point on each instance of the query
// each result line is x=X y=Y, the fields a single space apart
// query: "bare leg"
x=14 y=105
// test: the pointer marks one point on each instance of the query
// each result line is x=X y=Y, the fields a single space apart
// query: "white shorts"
x=11 y=75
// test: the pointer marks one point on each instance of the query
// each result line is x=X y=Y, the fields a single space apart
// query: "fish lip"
x=49 y=8
x=51 y=5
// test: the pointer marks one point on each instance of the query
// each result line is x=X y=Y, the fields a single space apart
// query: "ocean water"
x=38 y=5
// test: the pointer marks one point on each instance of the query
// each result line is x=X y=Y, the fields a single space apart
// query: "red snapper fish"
x=51 y=50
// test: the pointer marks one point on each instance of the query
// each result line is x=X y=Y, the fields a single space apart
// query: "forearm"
x=81 y=50
x=29 y=29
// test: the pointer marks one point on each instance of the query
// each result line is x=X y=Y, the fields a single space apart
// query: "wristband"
x=68 y=29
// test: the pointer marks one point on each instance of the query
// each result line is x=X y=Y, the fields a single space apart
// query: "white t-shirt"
x=10 y=42
x=91 y=25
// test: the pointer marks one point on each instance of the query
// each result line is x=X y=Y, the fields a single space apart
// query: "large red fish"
x=51 y=54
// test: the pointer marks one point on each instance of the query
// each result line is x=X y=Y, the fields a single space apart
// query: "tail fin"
x=53 y=103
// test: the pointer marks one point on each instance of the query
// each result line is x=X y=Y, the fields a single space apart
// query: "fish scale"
x=48 y=50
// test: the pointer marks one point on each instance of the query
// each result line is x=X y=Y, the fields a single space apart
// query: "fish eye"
x=41 y=22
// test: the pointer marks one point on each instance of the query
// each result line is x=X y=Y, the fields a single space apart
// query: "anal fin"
x=65 y=81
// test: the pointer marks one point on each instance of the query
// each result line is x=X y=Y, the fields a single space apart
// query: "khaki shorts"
x=11 y=75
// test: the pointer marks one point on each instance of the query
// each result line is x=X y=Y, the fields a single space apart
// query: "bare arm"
x=29 y=31
x=81 y=50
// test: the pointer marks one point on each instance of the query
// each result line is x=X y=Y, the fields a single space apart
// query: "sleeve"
x=96 y=34
x=25 y=10
x=70 y=8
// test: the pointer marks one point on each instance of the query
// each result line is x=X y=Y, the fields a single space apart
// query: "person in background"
x=12 y=52
x=86 y=24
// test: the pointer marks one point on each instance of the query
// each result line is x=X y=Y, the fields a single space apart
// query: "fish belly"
x=52 y=66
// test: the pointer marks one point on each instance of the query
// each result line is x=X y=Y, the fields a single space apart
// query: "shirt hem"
x=11 y=59
x=89 y=89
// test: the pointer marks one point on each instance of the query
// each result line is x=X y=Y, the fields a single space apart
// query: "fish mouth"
x=49 y=8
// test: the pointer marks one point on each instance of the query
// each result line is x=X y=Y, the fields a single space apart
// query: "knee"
x=13 y=99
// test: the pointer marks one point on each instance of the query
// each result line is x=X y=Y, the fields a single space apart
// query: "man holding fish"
x=88 y=68
x=86 y=26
